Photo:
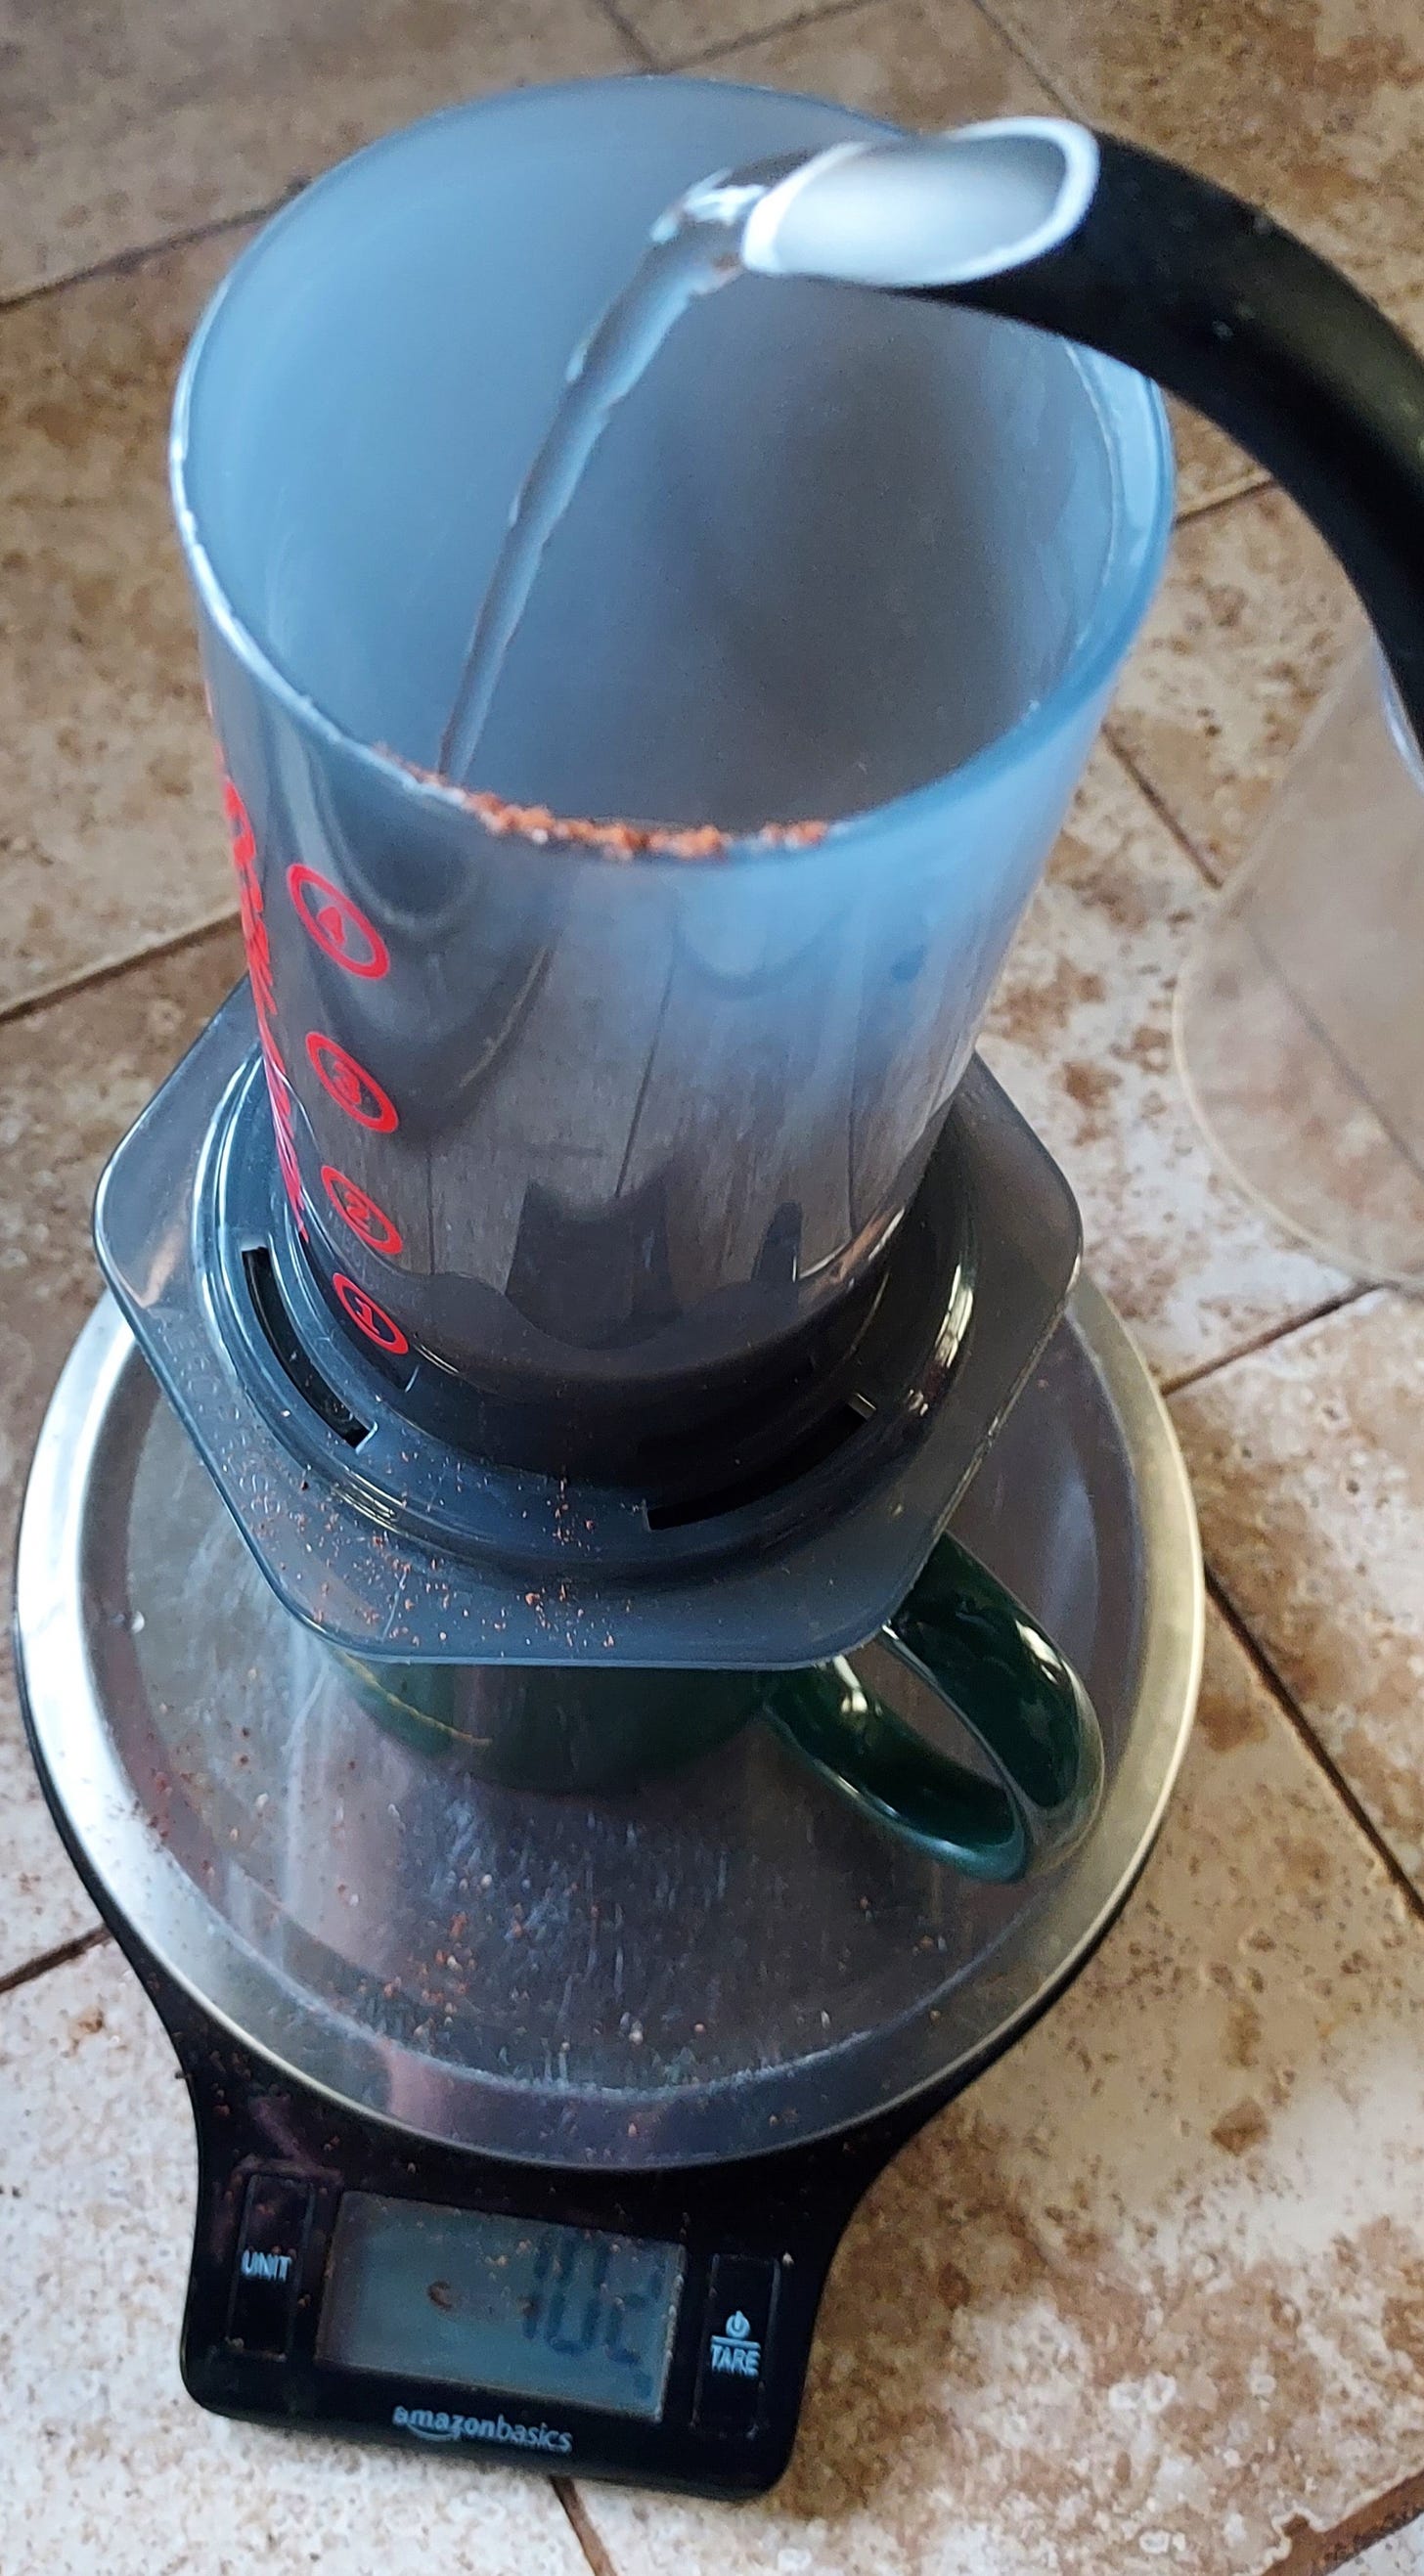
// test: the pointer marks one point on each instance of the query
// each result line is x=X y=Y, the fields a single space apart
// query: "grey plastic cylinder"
x=566 y=1120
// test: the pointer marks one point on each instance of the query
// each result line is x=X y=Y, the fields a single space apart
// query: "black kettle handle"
x=1204 y=292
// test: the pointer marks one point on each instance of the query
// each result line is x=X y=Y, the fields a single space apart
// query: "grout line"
x=1266 y=1672
x=1320 y=2553
x=790 y=26
x=583 y=2530
x=119 y=262
x=1269 y=1335
x=1246 y=490
x=1034 y=62
x=58 y=1957
x=1159 y=806
x=632 y=36
x=109 y=968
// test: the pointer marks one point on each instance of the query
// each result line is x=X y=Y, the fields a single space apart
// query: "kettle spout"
x=927 y=210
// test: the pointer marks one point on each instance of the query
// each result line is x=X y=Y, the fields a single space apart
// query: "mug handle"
x=1009 y=1688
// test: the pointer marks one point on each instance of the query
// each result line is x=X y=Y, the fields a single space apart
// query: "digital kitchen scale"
x=528 y=2125
x=616 y=1305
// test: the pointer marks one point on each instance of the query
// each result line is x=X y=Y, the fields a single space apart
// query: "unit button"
x=268 y=2271
x=736 y=2338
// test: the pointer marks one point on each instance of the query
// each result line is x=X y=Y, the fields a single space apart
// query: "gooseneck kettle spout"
x=1044 y=222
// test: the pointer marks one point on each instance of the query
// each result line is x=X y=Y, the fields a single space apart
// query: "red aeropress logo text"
x=264 y=994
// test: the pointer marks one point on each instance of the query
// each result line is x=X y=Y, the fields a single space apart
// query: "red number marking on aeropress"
x=338 y=926
x=264 y=994
x=369 y=1222
x=368 y=1317
x=350 y=1085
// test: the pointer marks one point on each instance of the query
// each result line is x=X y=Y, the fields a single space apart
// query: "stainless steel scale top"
x=719 y=1962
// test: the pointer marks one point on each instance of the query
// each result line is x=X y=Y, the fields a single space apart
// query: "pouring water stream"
x=693 y=250
x=909 y=210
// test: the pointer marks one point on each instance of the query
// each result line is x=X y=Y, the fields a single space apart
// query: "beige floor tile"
x=921 y=62
x=1251 y=622
x=676 y=31
x=1401 y=2555
x=116 y=2470
x=73 y=1076
x=1308 y=106
x=42 y=1900
x=126 y=124
x=1308 y=1460
x=113 y=832
x=1210 y=466
x=1156 y=2286
x=1080 y=1032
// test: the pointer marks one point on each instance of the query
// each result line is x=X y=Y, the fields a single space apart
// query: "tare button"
x=268 y=2270
x=736 y=2344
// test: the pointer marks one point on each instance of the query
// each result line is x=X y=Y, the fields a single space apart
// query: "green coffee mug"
x=581 y=1731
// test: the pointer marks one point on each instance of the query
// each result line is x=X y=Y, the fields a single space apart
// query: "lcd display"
x=510 y=2305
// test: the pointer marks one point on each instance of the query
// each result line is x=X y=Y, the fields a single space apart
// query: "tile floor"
x=1167 y=2295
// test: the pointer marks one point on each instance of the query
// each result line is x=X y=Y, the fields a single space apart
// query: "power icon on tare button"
x=735 y=2349
x=736 y=2338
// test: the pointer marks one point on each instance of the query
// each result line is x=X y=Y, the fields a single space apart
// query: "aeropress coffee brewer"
x=604 y=1807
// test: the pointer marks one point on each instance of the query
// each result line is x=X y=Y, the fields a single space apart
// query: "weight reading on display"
x=533 y=2310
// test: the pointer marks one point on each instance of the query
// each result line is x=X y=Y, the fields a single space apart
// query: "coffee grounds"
x=615 y=840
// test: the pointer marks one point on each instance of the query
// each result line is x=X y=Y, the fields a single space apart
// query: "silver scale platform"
x=528 y=2126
